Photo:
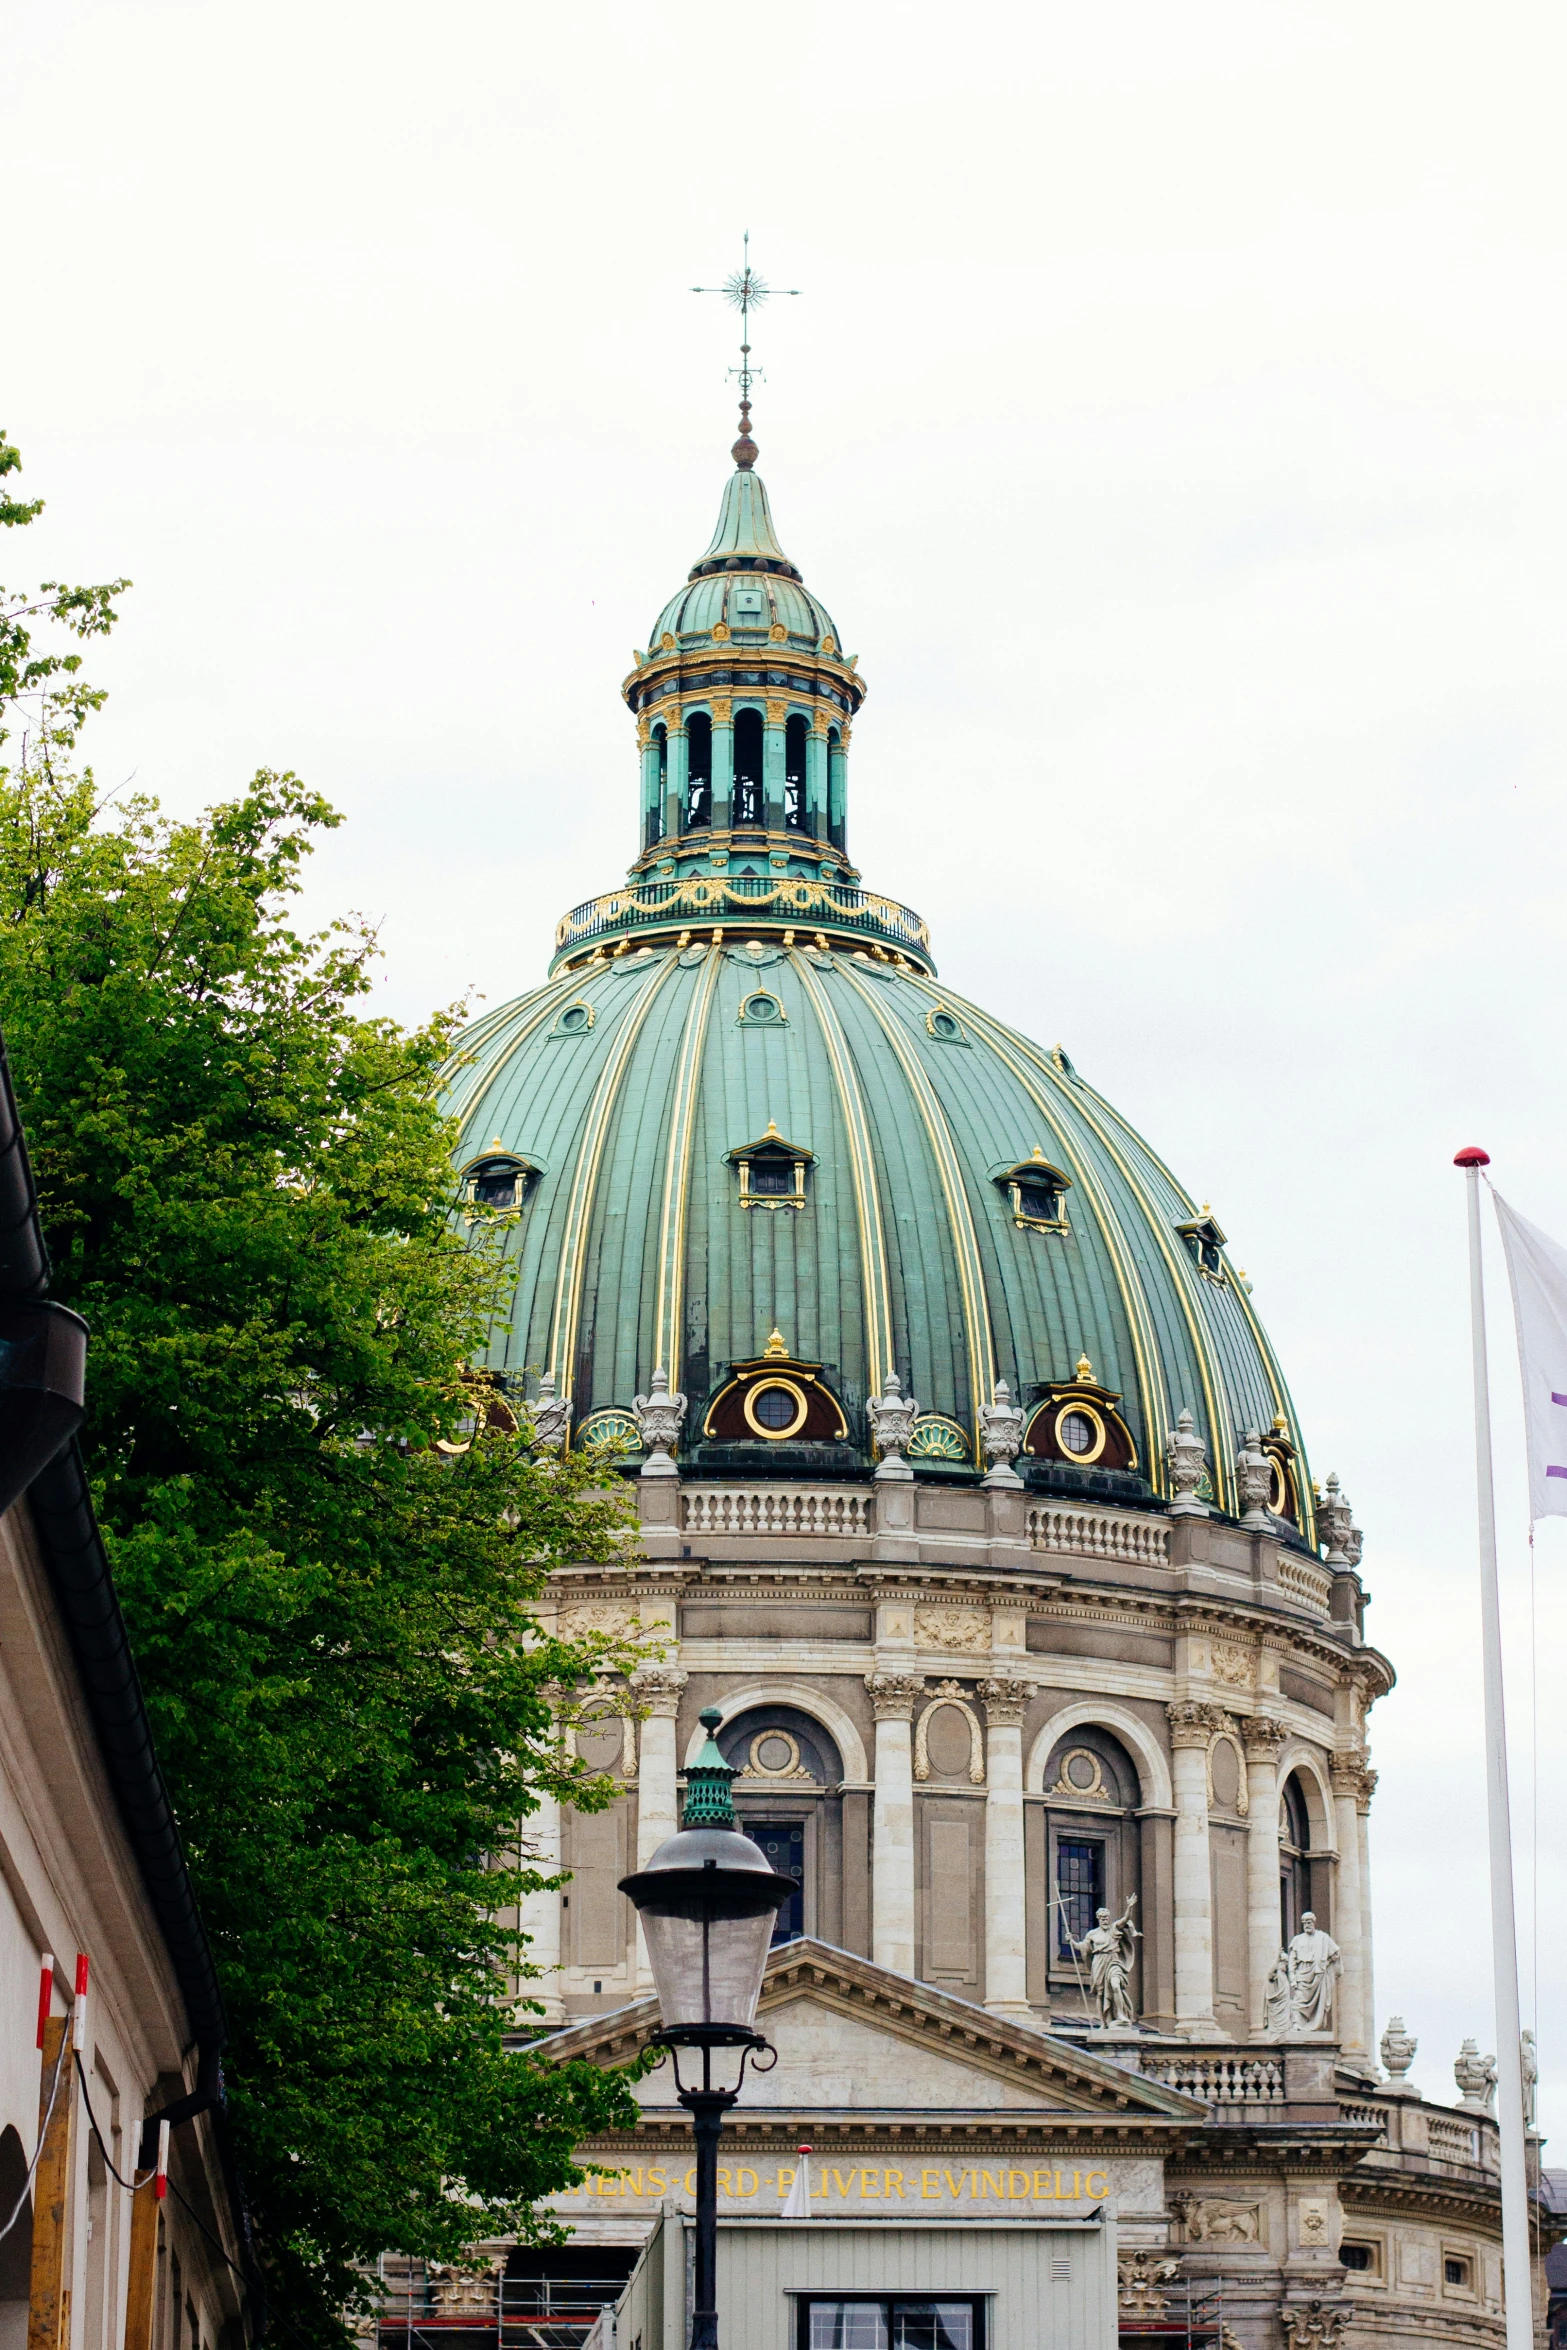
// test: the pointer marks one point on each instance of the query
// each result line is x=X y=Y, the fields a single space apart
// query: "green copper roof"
x=745 y=526
x=632 y=1250
x=711 y=598
x=709 y=1803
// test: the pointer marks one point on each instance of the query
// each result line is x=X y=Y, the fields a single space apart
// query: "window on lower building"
x=783 y=1842
x=1364 y=2258
x=1080 y=1880
x=1456 y=2271
x=891 y=2325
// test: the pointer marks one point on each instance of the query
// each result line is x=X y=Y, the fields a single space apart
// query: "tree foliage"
x=327 y=1565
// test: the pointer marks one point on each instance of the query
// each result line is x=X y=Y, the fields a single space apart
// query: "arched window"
x=796 y=734
x=1091 y=1854
x=659 y=744
x=699 y=744
x=835 y=827
x=784 y=1797
x=1294 y=1858
x=748 y=800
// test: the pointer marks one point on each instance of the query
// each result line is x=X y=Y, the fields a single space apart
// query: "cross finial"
x=747 y=291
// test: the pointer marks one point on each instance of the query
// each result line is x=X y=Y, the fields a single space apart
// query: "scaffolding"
x=425 y=2307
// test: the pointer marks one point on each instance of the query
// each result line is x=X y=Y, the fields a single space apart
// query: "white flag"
x=799 y=2203
x=1537 y=1269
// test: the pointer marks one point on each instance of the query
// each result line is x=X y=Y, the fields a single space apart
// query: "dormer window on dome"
x=771 y=1171
x=1205 y=1240
x=499 y=1180
x=1036 y=1190
x=775 y=1398
x=1077 y=1422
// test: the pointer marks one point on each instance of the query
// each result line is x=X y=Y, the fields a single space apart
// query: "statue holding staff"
x=1110 y=1947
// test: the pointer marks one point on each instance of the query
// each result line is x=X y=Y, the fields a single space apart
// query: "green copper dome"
x=744 y=555
x=623 y=1094
x=754 y=1143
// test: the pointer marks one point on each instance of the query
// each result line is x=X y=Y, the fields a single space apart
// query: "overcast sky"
x=1172 y=420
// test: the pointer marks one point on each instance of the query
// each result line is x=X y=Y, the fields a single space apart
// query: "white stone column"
x=894 y=1696
x=1368 y=2011
x=1349 y=2005
x=539 y=1913
x=656 y=1689
x=1191 y=1732
x=1264 y=1920
x=1006 y=1917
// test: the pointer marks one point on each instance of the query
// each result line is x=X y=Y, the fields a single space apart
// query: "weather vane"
x=747 y=291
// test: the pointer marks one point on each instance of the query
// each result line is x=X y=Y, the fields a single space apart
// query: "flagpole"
x=1517 y=2283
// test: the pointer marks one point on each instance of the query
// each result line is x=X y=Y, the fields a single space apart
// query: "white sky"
x=1173 y=421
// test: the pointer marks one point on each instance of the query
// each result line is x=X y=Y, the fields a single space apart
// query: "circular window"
x=775 y=1755
x=775 y=1409
x=943 y=1025
x=574 y=1019
x=763 y=1008
x=1080 y=1432
x=1278 y=1489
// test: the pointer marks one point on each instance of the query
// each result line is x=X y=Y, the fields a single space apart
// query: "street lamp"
x=707 y=1900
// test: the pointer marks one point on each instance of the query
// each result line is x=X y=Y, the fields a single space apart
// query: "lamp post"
x=707 y=1900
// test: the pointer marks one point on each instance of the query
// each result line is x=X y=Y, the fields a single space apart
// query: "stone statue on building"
x=1301 y=1984
x=1278 y=2014
x=1110 y=1947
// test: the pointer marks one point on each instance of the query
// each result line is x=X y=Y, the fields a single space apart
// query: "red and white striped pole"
x=45 y=1992
x=160 y=2182
x=79 y=2004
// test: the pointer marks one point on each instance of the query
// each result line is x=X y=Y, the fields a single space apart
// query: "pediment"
x=852 y=2034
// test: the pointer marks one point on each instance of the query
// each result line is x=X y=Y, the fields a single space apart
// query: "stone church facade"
x=971 y=1492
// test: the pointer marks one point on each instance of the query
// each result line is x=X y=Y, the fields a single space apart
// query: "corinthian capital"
x=657 y=1690
x=894 y=1695
x=1195 y=1725
x=1261 y=1737
x=1004 y=1702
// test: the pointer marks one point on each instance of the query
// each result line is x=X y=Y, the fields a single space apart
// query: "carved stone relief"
x=1215 y=2219
x=964 y=1631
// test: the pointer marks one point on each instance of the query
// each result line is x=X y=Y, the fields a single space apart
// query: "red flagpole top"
x=1474 y=1156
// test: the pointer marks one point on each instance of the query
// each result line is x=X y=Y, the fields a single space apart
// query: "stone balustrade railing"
x=1223 y=2082
x=812 y=1510
x=1311 y=1586
x=1099 y=1534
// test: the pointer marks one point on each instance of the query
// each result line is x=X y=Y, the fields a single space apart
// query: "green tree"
x=326 y=1544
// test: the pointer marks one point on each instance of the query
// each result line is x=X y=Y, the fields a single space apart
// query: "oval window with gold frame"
x=1079 y=1432
x=776 y=1409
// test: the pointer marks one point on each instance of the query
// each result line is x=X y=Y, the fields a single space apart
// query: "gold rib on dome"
x=669 y=1305
x=862 y=1170
x=585 y=1176
x=979 y=1343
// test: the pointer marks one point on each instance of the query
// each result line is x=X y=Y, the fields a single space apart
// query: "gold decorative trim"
x=796 y=1395
x=862 y=1164
x=971 y=1280
x=574 y=1239
x=1015 y=1054
x=668 y=1314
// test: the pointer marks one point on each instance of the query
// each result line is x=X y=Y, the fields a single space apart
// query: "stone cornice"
x=1051 y=1595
